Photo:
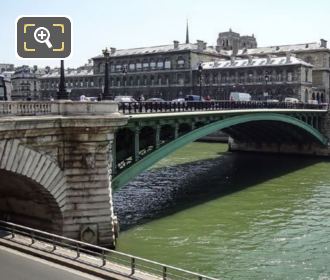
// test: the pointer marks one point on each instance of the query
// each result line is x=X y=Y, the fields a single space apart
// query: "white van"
x=239 y=96
x=291 y=100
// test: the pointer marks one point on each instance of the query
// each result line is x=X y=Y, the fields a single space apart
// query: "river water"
x=230 y=215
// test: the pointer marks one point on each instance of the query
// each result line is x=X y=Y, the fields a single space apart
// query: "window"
x=138 y=66
x=92 y=83
x=289 y=76
x=167 y=64
x=160 y=64
x=118 y=68
x=180 y=62
x=145 y=66
x=152 y=65
x=131 y=67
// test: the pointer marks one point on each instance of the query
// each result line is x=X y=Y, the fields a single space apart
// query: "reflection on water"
x=238 y=216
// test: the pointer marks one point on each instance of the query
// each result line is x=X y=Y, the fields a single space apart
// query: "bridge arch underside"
x=270 y=132
x=26 y=202
x=259 y=129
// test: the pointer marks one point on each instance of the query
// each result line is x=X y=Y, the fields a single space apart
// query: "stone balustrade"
x=65 y=107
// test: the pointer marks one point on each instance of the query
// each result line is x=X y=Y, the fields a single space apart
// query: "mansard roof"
x=254 y=62
x=161 y=49
x=282 y=48
x=55 y=73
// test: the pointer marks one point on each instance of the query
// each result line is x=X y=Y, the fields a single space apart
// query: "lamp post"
x=62 y=93
x=266 y=81
x=124 y=72
x=200 y=72
x=106 y=92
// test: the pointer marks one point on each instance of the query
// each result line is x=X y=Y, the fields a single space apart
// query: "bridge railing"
x=109 y=260
x=65 y=107
x=165 y=107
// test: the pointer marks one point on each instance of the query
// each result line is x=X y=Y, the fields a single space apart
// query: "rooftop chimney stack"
x=200 y=45
x=288 y=57
x=323 y=43
x=112 y=50
x=176 y=44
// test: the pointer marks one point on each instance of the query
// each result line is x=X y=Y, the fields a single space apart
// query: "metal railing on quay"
x=104 y=258
x=168 y=106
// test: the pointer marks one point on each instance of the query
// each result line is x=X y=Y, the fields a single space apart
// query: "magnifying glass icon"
x=41 y=35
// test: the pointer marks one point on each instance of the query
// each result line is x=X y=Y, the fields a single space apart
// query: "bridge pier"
x=87 y=163
x=55 y=170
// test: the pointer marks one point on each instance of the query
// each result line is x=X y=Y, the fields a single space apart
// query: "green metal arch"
x=187 y=138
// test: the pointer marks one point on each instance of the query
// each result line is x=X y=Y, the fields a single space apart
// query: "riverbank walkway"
x=87 y=258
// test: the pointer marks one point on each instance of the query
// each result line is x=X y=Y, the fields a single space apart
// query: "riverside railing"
x=166 y=107
x=103 y=258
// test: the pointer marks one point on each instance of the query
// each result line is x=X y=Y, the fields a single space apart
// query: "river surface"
x=230 y=215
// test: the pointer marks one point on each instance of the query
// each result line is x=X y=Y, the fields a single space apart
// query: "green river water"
x=231 y=215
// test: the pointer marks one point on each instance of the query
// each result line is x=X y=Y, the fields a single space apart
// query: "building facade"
x=26 y=83
x=316 y=53
x=264 y=78
x=170 y=71
x=80 y=81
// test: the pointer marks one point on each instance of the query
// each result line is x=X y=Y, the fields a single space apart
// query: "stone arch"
x=39 y=172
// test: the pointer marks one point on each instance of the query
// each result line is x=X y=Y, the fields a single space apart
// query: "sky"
x=122 y=24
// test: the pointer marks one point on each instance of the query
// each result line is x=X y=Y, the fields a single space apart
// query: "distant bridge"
x=60 y=161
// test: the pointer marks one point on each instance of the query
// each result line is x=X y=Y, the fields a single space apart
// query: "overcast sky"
x=137 y=23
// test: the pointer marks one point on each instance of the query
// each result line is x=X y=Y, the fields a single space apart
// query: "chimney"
x=176 y=44
x=232 y=59
x=288 y=57
x=218 y=48
x=268 y=59
x=112 y=50
x=200 y=45
x=249 y=59
x=323 y=43
x=204 y=45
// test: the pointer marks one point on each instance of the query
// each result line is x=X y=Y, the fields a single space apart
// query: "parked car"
x=291 y=100
x=315 y=102
x=239 y=96
x=122 y=98
x=155 y=99
x=192 y=97
x=179 y=100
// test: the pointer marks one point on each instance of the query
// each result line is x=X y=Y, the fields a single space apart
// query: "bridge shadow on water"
x=166 y=190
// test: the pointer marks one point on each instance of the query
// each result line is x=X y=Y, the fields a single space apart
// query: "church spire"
x=187 y=34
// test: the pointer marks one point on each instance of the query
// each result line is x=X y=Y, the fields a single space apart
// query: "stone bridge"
x=60 y=161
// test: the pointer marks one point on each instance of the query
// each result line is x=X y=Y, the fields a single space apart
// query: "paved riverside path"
x=66 y=258
x=19 y=266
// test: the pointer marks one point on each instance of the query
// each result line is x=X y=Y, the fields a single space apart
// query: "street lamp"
x=200 y=72
x=62 y=93
x=106 y=93
x=266 y=81
x=124 y=72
